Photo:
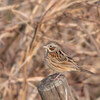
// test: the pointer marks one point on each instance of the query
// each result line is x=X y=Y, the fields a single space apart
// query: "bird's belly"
x=59 y=67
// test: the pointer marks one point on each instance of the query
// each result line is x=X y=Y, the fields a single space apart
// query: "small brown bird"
x=59 y=61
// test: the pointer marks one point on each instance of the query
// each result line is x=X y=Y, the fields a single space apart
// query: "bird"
x=57 y=60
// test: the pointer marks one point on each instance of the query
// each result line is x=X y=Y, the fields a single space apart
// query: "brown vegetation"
x=26 y=25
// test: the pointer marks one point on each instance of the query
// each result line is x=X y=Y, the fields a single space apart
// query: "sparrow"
x=57 y=60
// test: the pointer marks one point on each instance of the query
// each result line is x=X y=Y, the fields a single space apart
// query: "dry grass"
x=26 y=25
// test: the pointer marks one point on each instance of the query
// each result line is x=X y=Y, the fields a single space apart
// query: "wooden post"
x=57 y=89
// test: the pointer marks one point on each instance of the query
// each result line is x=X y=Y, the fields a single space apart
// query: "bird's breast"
x=52 y=54
x=58 y=65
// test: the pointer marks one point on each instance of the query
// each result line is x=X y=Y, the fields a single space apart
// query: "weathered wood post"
x=57 y=89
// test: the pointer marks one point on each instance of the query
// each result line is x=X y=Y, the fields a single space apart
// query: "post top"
x=48 y=83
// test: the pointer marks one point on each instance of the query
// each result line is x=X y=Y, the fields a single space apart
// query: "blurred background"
x=27 y=25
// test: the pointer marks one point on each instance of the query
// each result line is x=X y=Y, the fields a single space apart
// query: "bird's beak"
x=45 y=47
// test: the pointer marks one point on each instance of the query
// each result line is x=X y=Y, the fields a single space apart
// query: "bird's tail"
x=84 y=70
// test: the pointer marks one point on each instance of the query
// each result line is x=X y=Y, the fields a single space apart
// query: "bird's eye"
x=50 y=46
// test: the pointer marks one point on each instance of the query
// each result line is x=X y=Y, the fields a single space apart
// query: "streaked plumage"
x=58 y=61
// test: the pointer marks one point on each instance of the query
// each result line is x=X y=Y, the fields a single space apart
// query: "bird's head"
x=52 y=46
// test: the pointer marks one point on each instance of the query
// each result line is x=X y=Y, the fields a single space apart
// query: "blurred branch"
x=17 y=5
x=40 y=23
x=85 y=31
x=12 y=40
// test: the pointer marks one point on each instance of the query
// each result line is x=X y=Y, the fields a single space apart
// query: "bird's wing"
x=65 y=60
